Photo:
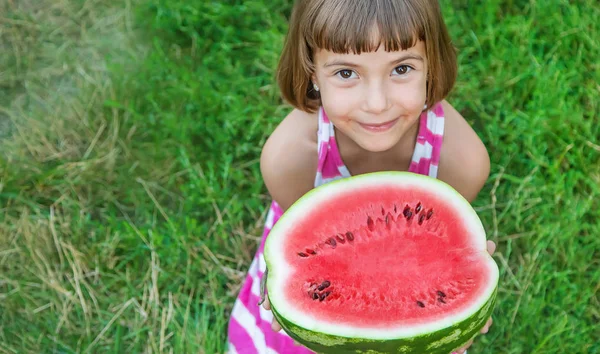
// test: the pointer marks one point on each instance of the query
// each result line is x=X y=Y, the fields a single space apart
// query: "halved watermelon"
x=387 y=262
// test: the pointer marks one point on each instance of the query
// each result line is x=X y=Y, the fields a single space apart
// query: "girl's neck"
x=359 y=160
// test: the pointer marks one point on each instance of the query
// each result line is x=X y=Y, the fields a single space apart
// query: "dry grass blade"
x=124 y=307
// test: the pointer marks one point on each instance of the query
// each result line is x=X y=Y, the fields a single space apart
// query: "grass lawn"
x=131 y=201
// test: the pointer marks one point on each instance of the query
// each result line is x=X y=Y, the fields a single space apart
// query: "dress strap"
x=331 y=166
x=426 y=157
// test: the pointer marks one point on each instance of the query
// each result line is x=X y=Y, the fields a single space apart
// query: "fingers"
x=463 y=349
x=485 y=329
x=275 y=326
x=487 y=326
x=491 y=247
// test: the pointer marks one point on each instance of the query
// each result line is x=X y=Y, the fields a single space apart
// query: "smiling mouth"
x=379 y=127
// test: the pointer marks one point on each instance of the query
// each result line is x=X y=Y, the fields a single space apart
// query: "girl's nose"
x=376 y=99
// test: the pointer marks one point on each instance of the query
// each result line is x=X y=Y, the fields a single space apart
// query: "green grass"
x=130 y=194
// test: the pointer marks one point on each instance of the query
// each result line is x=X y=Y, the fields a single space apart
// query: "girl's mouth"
x=378 y=128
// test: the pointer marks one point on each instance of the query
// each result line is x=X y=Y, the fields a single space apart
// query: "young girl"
x=368 y=81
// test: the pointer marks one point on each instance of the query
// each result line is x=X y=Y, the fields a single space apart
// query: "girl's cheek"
x=340 y=102
x=413 y=98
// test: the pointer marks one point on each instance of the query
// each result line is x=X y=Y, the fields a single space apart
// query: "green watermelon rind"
x=443 y=341
x=430 y=342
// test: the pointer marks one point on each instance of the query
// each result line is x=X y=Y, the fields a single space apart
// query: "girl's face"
x=373 y=98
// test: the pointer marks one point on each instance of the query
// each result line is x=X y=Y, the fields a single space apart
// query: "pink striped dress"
x=250 y=324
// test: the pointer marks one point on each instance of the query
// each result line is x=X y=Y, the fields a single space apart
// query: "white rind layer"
x=277 y=276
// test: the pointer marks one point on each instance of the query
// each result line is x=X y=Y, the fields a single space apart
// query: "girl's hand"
x=274 y=325
x=264 y=300
x=491 y=247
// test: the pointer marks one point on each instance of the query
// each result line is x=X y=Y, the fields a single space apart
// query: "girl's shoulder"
x=464 y=159
x=289 y=158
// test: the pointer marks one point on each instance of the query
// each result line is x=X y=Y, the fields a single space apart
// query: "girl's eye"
x=402 y=69
x=345 y=74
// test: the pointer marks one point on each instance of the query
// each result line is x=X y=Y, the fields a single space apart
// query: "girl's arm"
x=289 y=158
x=464 y=160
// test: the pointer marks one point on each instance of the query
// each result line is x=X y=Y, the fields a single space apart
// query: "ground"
x=130 y=195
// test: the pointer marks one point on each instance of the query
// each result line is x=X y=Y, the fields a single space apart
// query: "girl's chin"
x=376 y=144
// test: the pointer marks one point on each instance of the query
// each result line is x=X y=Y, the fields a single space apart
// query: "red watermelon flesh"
x=401 y=259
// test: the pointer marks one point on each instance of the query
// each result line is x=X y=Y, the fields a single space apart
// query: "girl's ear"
x=315 y=85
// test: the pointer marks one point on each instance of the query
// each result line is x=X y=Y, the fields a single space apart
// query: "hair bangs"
x=357 y=26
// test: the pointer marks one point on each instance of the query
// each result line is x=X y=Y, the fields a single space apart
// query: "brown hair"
x=342 y=26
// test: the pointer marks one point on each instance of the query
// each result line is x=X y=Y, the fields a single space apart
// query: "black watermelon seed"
x=420 y=304
x=315 y=296
x=370 y=224
x=324 y=295
x=406 y=211
x=395 y=209
x=350 y=236
x=340 y=238
x=409 y=215
x=421 y=218
x=441 y=299
x=324 y=285
x=311 y=251
x=302 y=254
x=441 y=293
x=332 y=242
x=418 y=208
x=429 y=214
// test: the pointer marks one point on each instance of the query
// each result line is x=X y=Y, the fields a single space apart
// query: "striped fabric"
x=250 y=325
